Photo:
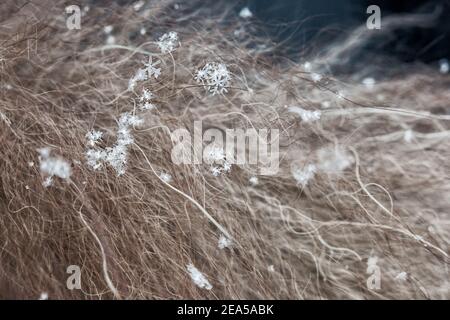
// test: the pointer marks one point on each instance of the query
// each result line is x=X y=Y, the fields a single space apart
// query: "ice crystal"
x=304 y=175
x=215 y=76
x=168 y=42
x=306 y=115
x=198 y=278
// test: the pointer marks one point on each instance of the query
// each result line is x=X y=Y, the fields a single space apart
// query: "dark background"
x=301 y=21
x=303 y=25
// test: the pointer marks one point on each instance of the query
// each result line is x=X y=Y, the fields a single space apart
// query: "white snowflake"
x=198 y=278
x=168 y=42
x=408 y=136
x=138 y=5
x=143 y=74
x=145 y=100
x=47 y=182
x=444 y=66
x=369 y=82
x=108 y=29
x=166 y=177
x=302 y=176
x=110 y=39
x=307 y=66
x=333 y=160
x=253 y=181
x=43 y=296
x=95 y=158
x=306 y=115
x=116 y=156
x=402 y=276
x=245 y=13
x=53 y=166
x=93 y=136
x=316 y=77
x=215 y=76
x=150 y=68
x=224 y=242
x=215 y=156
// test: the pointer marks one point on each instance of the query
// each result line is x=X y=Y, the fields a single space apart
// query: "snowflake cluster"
x=149 y=70
x=215 y=156
x=253 y=181
x=166 y=177
x=224 y=242
x=333 y=160
x=53 y=166
x=145 y=99
x=117 y=155
x=316 y=77
x=93 y=137
x=198 y=278
x=215 y=76
x=168 y=42
x=306 y=115
x=304 y=175
x=402 y=276
x=245 y=13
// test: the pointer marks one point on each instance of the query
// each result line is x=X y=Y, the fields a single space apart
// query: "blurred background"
x=304 y=20
x=304 y=25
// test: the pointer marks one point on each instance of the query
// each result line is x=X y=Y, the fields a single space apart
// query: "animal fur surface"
x=358 y=209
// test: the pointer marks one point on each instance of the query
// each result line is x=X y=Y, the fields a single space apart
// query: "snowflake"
x=444 y=66
x=215 y=156
x=306 y=115
x=141 y=75
x=53 y=166
x=43 y=296
x=198 y=278
x=108 y=29
x=116 y=156
x=408 y=136
x=145 y=73
x=402 y=276
x=224 y=242
x=245 y=13
x=253 y=181
x=307 y=66
x=168 y=42
x=166 y=177
x=150 y=68
x=369 y=82
x=304 y=175
x=215 y=76
x=145 y=100
x=316 y=77
x=47 y=182
x=95 y=158
x=93 y=137
x=333 y=160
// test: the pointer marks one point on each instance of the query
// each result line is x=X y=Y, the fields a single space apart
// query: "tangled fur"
x=380 y=186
